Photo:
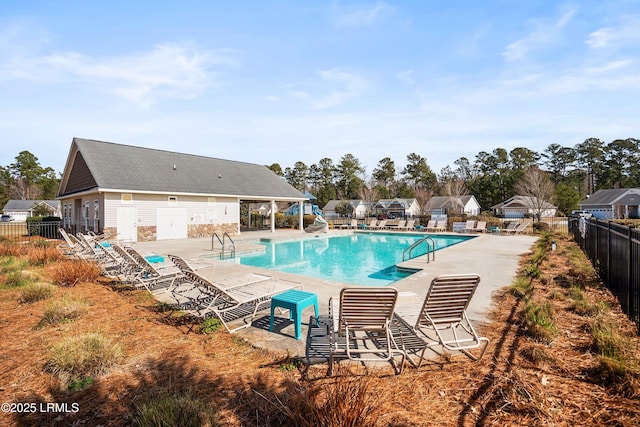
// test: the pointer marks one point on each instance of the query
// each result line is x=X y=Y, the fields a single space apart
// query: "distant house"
x=358 y=208
x=613 y=204
x=20 y=210
x=399 y=208
x=142 y=194
x=441 y=205
x=521 y=206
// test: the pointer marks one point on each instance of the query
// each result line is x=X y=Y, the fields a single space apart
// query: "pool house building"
x=144 y=194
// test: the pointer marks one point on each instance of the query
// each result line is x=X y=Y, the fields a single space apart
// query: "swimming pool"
x=359 y=258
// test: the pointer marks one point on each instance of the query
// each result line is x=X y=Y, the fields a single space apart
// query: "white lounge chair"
x=470 y=226
x=518 y=228
x=441 y=225
x=351 y=225
x=360 y=323
x=381 y=225
x=442 y=320
x=431 y=225
x=481 y=227
x=241 y=302
x=71 y=246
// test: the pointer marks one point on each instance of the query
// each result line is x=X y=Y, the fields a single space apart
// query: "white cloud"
x=170 y=70
x=626 y=31
x=406 y=77
x=358 y=16
x=544 y=33
x=334 y=87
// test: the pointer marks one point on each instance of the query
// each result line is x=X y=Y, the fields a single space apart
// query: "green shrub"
x=10 y=264
x=521 y=288
x=81 y=357
x=532 y=270
x=17 y=279
x=175 y=410
x=618 y=367
x=79 y=384
x=607 y=340
x=539 y=321
x=210 y=325
x=581 y=303
x=36 y=292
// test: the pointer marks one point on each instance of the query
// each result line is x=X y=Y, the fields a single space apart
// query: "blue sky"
x=285 y=81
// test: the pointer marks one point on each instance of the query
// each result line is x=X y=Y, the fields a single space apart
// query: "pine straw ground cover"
x=527 y=377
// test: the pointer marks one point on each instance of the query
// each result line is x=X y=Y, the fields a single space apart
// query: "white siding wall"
x=472 y=208
x=224 y=210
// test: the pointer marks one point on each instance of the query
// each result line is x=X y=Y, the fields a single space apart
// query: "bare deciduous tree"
x=455 y=189
x=536 y=184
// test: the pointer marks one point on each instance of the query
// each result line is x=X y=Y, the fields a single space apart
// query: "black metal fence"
x=614 y=250
x=28 y=231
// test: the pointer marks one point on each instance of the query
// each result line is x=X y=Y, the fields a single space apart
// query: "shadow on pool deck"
x=495 y=258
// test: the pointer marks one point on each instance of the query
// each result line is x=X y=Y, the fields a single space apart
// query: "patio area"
x=495 y=258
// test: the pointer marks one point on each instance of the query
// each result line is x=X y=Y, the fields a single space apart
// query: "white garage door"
x=172 y=223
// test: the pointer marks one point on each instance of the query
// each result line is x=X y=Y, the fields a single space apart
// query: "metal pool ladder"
x=431 y=249
x=223 y=245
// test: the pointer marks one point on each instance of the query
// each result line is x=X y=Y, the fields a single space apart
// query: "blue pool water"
x=360 y=258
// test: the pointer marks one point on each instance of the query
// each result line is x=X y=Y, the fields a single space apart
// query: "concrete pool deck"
x=494 y=257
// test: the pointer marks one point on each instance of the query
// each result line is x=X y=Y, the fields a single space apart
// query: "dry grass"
x=36 y=292
x=345 y=400
x=63 y=310
x=72 y=272
x=84 y=356
x=175 y=410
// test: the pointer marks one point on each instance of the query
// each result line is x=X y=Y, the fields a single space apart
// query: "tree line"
x=26 y=179
x=564 y=175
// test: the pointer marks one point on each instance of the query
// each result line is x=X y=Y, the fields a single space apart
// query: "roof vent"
x=175 y=167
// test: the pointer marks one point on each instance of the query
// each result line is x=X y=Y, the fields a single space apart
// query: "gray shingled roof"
x=440 y=202
x=607 y=197
x=523 y=202
x=125 y=167
x=25 y=205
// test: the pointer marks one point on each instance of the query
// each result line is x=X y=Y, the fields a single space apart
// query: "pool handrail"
x=431 y=248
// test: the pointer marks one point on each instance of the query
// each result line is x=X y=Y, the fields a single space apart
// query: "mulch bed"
x=518 y=382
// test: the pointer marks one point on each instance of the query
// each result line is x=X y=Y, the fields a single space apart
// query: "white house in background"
x=521 y=206
x=399 y=208
x=359 y=208
x=140 y=194
x=613 y=204
x=442 y=205
x=20 y=210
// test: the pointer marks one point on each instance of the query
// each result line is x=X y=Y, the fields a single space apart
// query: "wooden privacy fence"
x=614 y=250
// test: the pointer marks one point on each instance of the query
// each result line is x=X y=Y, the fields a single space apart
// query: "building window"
x=173 y=201
x=126 y=198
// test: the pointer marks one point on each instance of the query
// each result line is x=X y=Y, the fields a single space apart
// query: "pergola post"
x=273 y=216
x=301 y=214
